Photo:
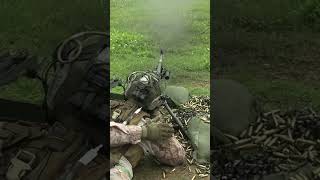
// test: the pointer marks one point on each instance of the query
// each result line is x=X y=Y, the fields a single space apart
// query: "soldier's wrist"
x=144 y=132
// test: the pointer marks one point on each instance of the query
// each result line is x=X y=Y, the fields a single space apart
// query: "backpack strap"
x=37 y=152
x=13 y=133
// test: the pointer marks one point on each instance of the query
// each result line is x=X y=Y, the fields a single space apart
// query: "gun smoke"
x=168 y=21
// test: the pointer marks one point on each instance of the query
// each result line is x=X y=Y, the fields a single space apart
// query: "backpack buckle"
x=20 y=164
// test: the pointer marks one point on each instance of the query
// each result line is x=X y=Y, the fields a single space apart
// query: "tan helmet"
x=144 y=89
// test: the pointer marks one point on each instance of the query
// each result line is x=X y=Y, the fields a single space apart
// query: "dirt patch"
x=149 y=170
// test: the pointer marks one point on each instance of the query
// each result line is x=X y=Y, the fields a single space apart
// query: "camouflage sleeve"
x=169 y=152
x=121 y=134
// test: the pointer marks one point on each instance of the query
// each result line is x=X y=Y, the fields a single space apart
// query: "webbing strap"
x=54 y=162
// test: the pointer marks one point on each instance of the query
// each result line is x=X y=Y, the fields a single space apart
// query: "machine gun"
x=161 y=71
x=164 y=74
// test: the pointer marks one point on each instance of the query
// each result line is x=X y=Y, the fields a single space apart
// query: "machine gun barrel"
x=159 y=68
x=181 y=127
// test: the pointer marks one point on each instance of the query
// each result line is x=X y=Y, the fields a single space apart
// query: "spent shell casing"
x=267 y=141
x=242 y=141
x=203 y=175
x=290 y=133
x=278 y=154
x=301 y=176
x=259 y=127
x=272 y=141
x=202 y=166
x=283 y=167
x=284 y=137
x=305 y=141
x=250 y=131
x=258 y=119
x=289 y=121
x=271 y=131
x=271 y=112
x=180 y=133
x=292 y=161
x=282 y=126
x=192 y=160
x=275 y=121
x=255 y=137
x=316 y=170
x=311 y=147
x=311 y=155
x=294 y=150
x=243 y=133
x=280 y=119
x=277 y=169
x=307 y=134
x=246 y=146
x=231 y=137
x=293 y=122
x=193 y=177
x=311 y=111
x=198 y=171
x=260 y=139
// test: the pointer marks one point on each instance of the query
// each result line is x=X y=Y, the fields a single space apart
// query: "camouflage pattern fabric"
x=168 y=152
x=122 y=171
x=121 y=134
x=126 y=139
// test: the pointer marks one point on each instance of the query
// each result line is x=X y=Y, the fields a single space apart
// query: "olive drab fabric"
x=83 y=83
x=32 y=150
x=233 y=108
x=178 y=95
x=200 y=134
x=134 y=154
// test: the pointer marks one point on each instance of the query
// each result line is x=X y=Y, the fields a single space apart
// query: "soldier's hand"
x=157 y=131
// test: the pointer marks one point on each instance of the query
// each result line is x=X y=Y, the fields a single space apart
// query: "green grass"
x=139 y=29
x=39 y=26
x=269 y=47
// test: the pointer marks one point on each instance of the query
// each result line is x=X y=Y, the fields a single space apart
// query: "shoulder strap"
x=14 y=132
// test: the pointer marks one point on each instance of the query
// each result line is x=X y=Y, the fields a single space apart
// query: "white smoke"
x=167 y=21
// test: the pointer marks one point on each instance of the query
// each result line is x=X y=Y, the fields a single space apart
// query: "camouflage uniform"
x=169 y=152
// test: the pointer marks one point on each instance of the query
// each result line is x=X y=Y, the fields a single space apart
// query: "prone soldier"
x=137 y=128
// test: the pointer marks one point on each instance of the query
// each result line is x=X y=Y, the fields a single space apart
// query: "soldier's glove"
x=157 y=131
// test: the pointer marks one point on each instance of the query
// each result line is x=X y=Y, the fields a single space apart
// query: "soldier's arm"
x=121 y=134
